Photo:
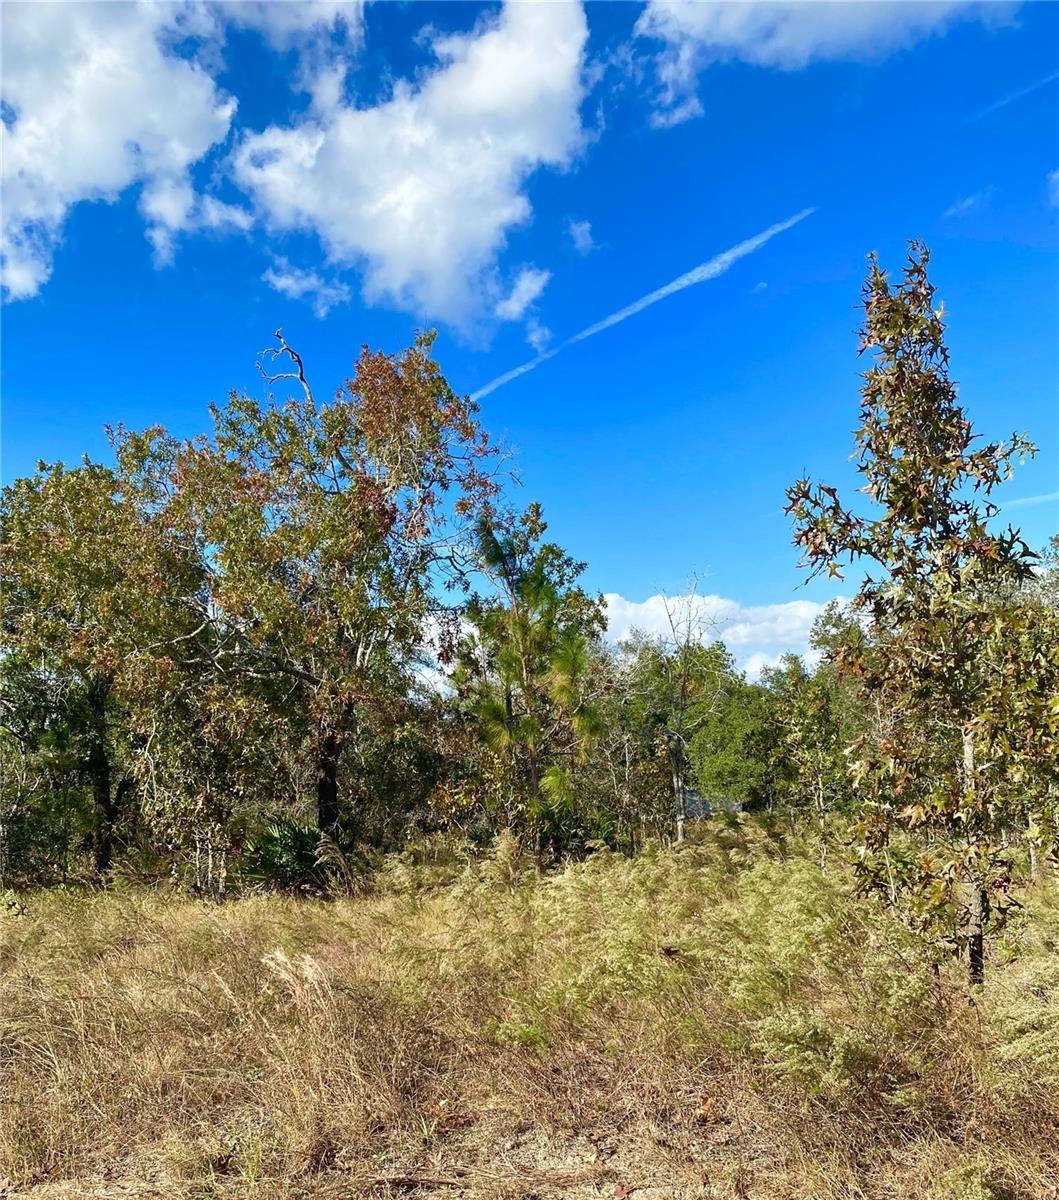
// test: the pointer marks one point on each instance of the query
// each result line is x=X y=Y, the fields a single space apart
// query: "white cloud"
x=98 y=105
x=302 y=284
x=538 y=335
x=787 y=36
x=758 y=662
x=172 y=207
x=758 y=635
x=581 y=235
x=968 y=204
x=325 y=33
x=528 y=288
x=1053 y=188
x=284 y=23
x=765 y=624
x=423 y=188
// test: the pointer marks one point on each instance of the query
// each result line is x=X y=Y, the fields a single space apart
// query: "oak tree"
x=936 y=614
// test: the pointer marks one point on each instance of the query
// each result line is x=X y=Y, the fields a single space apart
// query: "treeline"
x=320 y=630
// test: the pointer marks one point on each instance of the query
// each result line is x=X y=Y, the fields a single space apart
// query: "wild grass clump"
x=721 y=1020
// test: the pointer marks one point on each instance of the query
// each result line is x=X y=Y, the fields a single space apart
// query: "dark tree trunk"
x=327 y=787
x=103 y=802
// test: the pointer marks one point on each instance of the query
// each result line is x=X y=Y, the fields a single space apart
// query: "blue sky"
x=181 y=179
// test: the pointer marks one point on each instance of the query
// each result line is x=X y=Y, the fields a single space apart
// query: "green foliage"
x=941 y=627
x=523 y=674
x=734 y=753
x=314 y=645
x=286 y=856
x=99 y=595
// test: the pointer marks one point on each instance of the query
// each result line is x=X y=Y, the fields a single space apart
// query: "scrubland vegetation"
x=722 y=1020
x=345 y=856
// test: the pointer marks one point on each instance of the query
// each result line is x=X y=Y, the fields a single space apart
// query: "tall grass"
x=724 y=1020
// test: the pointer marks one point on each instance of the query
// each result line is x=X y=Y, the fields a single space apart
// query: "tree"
x=630 y=765
x=934 y=622
x=681 y=679
x=734 y=751
x=98 y=596
x=45 y=814
x=523 y=668
x=327 y=531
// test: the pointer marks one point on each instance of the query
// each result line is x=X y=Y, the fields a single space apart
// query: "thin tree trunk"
x=892 y=889
x=1034 y=869
x=327 y=787
x=103 y=803
x=535 y=794
x=820 y=811
x=979 y=900
x=679 y=795
x=976 y=938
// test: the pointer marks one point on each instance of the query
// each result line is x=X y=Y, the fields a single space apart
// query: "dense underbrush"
x=723 y=1020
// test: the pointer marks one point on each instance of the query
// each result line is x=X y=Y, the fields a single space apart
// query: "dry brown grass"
x=721 y=1022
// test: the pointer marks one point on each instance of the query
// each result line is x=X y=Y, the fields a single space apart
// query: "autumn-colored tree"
x=935 y=617
x=328 y=530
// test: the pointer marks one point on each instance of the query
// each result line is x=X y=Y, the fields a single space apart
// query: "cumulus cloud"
x=757 y=634
x=1053 y=188
x=95 y=103
x=422 y=189
x=787 y=36
x=527 y=290
x=728 y=620
x=302 y=284
x=326 y=34
x=581 y=235
x=284 y=23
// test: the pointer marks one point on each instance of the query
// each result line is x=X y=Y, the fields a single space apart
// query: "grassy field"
x=722 y=1021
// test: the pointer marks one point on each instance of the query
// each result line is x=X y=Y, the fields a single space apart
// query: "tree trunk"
x=821 y=809
x=976 y=938
x=535 y=802
x=979 y=899
x=679 y=796
x=106 y=802
x=327 y=787
x=103 y=803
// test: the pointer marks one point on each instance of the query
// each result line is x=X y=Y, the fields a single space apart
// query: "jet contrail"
x=1026 y=501
x=704 y=271
x=1005 y=100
